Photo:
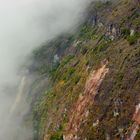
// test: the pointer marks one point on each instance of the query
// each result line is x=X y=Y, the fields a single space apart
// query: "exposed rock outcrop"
x=80 y=108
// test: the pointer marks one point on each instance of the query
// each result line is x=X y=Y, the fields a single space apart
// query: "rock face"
x=79 y=110
x=87 y=100
x=136 y=116
x=133 y=130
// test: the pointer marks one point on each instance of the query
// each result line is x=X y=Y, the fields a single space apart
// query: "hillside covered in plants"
x=89 y=81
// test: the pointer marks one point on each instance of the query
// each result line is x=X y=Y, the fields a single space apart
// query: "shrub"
x=76 y=79
x=83 y=50
x=66 y=59
x=69 y=72
x=100 y=48
x=132 y=39
x=58 y=134
x=53 y=69
x=125 y=32
x=56 y=137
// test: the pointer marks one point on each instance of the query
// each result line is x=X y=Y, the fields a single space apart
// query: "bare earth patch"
x=79 y=112
x=135 y=126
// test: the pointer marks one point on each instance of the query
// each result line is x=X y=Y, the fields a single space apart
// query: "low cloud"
x=25 y=25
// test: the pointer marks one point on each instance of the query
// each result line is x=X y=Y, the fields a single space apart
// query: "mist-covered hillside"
x=93 y=77
x=70 y=70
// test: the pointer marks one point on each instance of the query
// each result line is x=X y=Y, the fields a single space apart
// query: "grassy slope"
x=77 y=61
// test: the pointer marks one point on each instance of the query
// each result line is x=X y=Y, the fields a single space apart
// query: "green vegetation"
x=132 y=39
x=76 y=79
x=68 y=73
x=126 y=32
x=68 y=77
x=101 y=48
x=66 y=59
x=56 y=137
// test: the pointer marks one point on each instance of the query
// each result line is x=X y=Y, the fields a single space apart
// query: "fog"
x=25 y=25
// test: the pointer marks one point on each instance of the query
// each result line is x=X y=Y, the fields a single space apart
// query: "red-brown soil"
x=79 y=111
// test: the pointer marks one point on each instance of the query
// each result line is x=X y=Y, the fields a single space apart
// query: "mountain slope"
x=75 y=106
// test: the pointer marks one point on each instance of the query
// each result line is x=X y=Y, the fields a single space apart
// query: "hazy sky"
x=24 y=25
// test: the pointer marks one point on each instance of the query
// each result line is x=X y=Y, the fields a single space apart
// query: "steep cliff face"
x=92 y=89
